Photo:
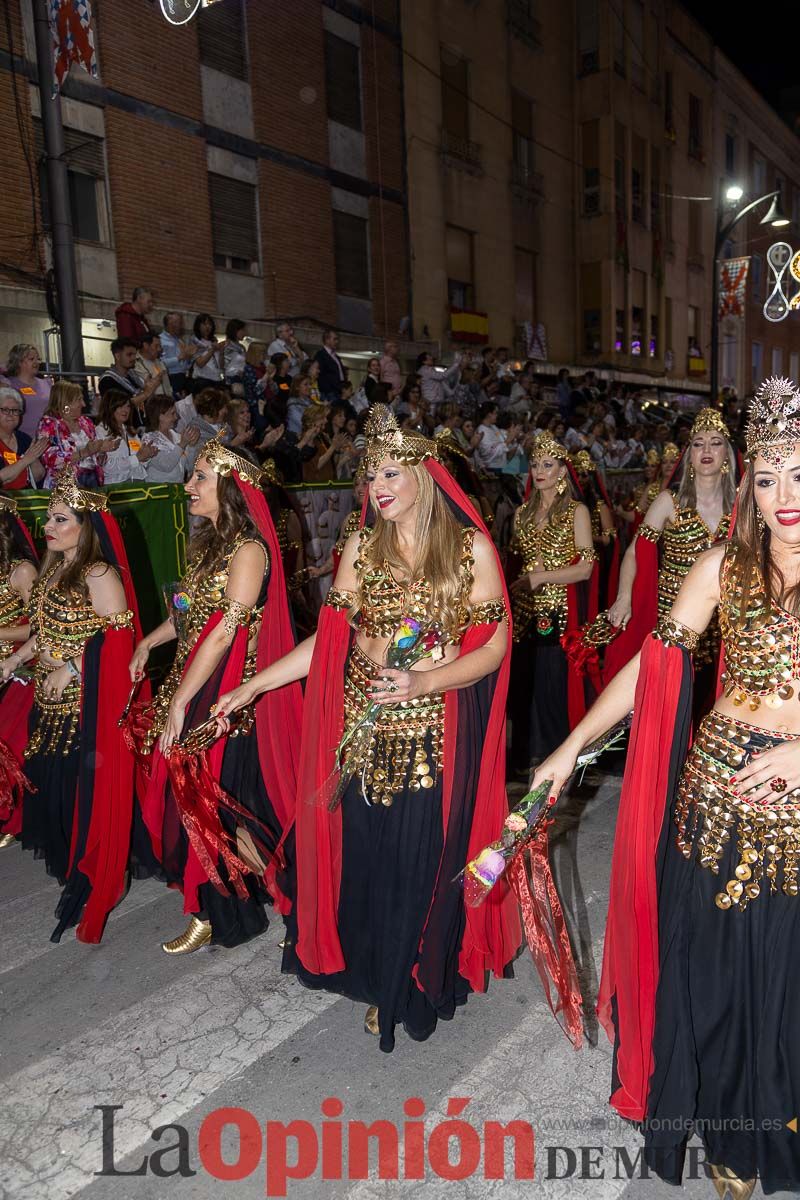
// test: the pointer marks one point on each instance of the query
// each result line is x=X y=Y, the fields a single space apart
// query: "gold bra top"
x=203 y=597
x=12 y=606
x=646 y=497
x=65 y=621
x=352 y=524
x=550 y=545
x=762 y=642
x=683 y=540
x=385 y=602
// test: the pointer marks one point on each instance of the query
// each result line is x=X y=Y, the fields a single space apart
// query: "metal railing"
x=460 y=148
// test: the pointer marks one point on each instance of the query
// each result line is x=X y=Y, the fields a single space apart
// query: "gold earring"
x=760 y=520
x=725 y=468
x=561 y=486
x=691 y=471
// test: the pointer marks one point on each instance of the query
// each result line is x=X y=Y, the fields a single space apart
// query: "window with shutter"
x=343 y=81
x=351 y=253
x=234 y=224
x=455 y=94
x=221 y=34
x=85 y=179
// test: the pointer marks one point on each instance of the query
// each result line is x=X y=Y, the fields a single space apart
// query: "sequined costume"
x=16 y=698
x=13 y=610
x=377 y=918
x=540 y=674
x=682 y=541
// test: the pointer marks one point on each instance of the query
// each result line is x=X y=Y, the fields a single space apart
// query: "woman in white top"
x=233 y=351
x=206 y=361
x=170 y=461
x=128 y=459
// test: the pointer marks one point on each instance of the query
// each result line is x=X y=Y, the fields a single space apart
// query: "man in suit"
x=332 y=371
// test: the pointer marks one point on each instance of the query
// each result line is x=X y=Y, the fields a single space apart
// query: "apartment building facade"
x=249 y=163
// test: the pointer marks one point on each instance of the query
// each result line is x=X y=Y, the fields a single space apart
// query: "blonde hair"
x=437 y=559
x=527 y=511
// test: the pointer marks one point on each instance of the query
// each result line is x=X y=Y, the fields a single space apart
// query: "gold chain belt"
x=709 y=811
x=58 y=721
x=403 y=746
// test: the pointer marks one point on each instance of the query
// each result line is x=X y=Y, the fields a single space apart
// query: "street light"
x=775 y=218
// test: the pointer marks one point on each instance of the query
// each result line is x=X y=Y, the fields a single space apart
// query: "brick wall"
x=297 y=234
x=20 y=248
x=142 y=55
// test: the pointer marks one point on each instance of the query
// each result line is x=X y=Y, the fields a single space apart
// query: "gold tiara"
x=449 y=443
x=708 y=420
x=773 y=423
x=546 y=446
x=385 y=440
x=270 y=473
x=223 y=460
x=671 y=452
x=8 y=505
x=652 y=458
x=582 y=461
x=66 y=491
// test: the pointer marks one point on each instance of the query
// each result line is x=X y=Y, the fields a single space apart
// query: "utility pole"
x=66 y=275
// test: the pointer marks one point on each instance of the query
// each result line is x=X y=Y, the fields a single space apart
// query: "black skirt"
x=49 y=808
x=726 y=1047
x=390 y=863
x=537 y=697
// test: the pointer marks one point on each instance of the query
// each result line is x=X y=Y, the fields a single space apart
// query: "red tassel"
x=135 y=729
x=546 y=935
x=13 y=784
x=581 y=656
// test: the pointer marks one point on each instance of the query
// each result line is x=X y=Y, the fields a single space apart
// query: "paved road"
x=173 y=1040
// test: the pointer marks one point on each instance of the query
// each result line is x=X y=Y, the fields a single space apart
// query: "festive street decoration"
x=73 y=39
x=732 y=286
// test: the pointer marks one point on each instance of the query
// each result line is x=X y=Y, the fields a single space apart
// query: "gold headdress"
x=671 y=452
x=271 y=474
x=386 y=440
x=546 y=446
x=708 y=420
x=653 y=458
x=583 y=462
x=8 y=505
x=223 y=461
x=66 y=491
x=449 y=443
x=773 y=423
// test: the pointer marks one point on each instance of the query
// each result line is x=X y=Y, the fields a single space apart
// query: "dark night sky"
x=764 y=48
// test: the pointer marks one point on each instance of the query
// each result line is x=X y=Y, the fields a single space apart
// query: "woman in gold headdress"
x=384 y=827
x=78 y=816
x=604 y=532
x=701 y=975
x=681 y=524
x=231 y=617
x=553 y=539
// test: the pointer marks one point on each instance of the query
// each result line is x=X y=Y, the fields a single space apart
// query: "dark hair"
x=380 y=393
x=88 y=552
x=11 y=542
x=110 y=401
x=150 y=337
x=138 y=292
x=294 y=388
x=327 y=331
x=210 y=543
x=563 y=373
x=210 y=402
x=233 y=327
x=487 y=407
x=198 y=322
x=173 y=312
x=122 y=343
x=278 y=359
x=155 y=407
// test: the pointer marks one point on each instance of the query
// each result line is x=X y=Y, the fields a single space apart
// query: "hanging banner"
x=732 y=285
x=73 y=40
x=469 y=326
x=179 y=12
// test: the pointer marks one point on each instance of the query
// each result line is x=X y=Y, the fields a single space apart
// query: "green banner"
x=153 y=521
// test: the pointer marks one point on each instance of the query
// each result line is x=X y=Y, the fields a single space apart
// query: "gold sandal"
x=196 y=934
x=729 y=1185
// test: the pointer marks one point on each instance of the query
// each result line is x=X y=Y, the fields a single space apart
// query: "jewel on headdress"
x=223 y=461
x=8 y=504
x=271 y=474
x=708 y=420
x=385 y=440
x=66 y=491
x=773 y=422
x=671 y=452
x=652 y=458
x=546 y=446
x=447 y=441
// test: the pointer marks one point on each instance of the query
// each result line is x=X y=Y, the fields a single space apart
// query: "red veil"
x=15 y=710
x=278 y=717
x=491 y=934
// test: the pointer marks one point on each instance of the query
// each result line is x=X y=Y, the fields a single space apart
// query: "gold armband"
x=586 y=554
x=235 y=615
x=650 y=534
x=489 y=612
x=120 y=620
x=673 y=633
x=339 y=598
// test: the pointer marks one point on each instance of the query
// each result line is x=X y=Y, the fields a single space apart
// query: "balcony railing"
x=461 y=149
x=526 y=180
x=522 y=24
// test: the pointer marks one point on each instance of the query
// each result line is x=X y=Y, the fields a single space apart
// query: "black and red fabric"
x=659 y=741
x=644 y=610
x=469 y=942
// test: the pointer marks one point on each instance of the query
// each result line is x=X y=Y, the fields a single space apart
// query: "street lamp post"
x=725 y=226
